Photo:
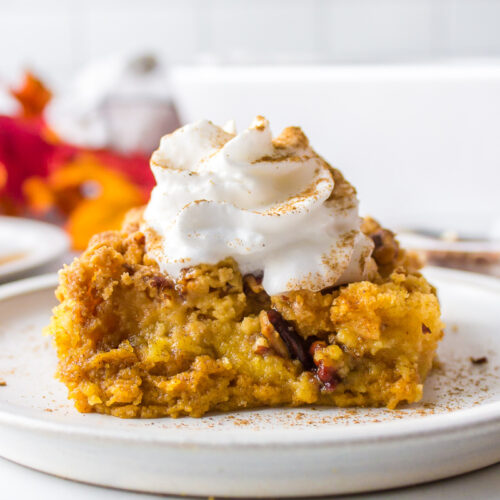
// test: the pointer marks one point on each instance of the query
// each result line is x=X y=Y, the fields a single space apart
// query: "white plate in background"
x=273 y=452
x=26 y=244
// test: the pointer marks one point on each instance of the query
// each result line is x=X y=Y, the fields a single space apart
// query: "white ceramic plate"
x=26 y=244
x=279 y=452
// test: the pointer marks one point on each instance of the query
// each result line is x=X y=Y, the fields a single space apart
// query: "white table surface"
x=22 y=483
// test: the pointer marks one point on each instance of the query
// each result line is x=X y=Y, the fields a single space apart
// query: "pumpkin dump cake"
x=249 y=280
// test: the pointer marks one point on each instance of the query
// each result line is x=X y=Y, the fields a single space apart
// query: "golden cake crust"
x=132 y=343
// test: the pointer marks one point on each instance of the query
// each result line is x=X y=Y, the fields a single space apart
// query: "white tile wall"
x=474 y=27
x=359 y=30
x=58 y=36
x=114 y=26
x=36 y=37
x=263 y=30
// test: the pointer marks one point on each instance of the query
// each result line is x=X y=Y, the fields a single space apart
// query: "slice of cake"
x=249 y=280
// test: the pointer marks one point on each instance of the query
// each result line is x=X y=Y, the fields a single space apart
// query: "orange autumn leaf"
x=94 y=216
x=50 y=135
x=7 y=207
x=39 y=194
x=3 y=176
x=32 y=95
x=93 y=197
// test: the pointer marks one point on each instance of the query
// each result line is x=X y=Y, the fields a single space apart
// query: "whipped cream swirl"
x=273 y=205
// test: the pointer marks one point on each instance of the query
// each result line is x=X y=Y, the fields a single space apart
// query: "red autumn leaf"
x=23 y=154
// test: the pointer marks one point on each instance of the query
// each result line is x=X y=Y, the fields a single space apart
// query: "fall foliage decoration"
x=91 y=197
x=85 y=191
x=32 y=95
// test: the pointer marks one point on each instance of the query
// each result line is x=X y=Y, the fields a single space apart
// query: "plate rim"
x=60 y=243
x=477 y=419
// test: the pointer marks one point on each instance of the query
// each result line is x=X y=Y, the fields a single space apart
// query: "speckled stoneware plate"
x=26 y=244
x=280 y=452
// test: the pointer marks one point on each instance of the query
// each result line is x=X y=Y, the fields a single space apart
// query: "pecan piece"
x=326 y=369
x=295 y=344
x=254 y=282
x=261 y=346
x=272 y=336
x=386 y=247
x=161 y=282
x=129 y=269
x=329 y=289
x=327 y=376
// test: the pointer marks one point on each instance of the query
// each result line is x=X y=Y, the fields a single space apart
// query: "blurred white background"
x=59 y=36
x=402 y=95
